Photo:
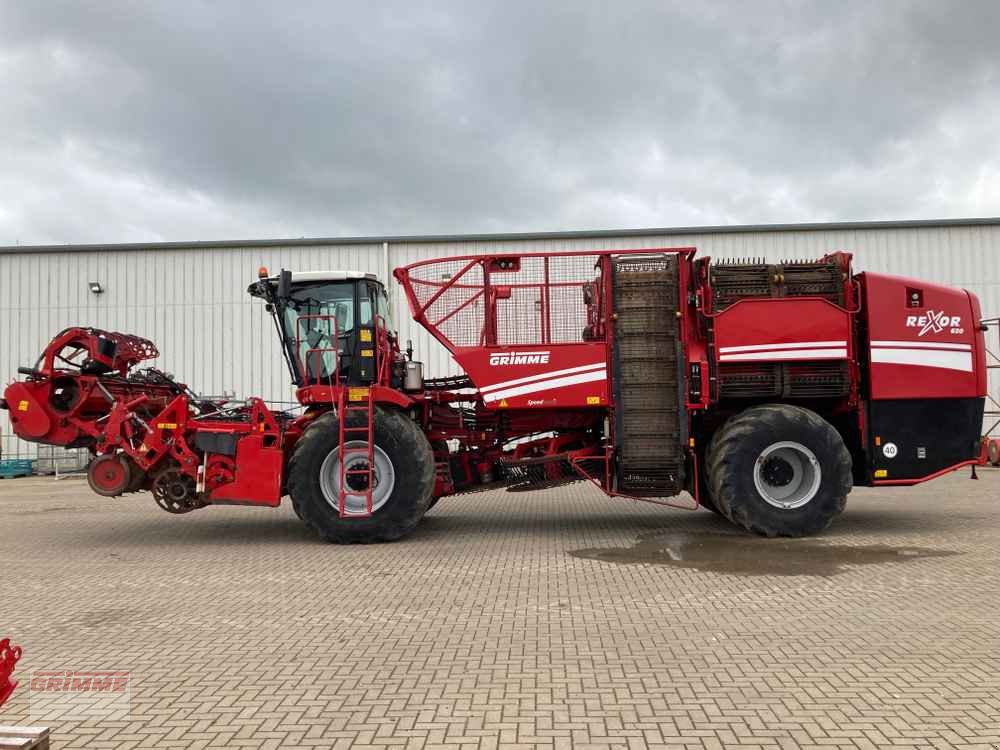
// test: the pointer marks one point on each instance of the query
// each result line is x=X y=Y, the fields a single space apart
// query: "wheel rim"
x=355 y=502
x=109 y=475
x=787 y=475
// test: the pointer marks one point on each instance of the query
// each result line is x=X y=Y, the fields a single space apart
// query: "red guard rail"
x=505 y=300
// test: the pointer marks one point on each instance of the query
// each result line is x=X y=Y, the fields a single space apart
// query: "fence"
x=47 y=459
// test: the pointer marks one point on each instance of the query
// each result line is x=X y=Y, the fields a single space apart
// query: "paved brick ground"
x=557 y=619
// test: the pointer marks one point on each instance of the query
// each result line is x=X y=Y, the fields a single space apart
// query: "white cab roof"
x=299 y=277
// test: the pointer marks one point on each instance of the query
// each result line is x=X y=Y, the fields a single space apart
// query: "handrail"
x=426 y=284
x=444 y=287
x=304 y=365
x=554 y=254
x=382 y=348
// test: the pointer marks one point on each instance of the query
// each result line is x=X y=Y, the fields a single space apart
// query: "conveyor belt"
x=648 y=410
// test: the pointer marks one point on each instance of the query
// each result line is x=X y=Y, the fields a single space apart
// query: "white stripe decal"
x=923 y=345
x=541 y=376
x=946 y=360
x=586 y=377
x=772 y=347
x=788 y=354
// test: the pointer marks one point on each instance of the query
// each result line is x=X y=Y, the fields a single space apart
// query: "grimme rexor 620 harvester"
x=765 y=391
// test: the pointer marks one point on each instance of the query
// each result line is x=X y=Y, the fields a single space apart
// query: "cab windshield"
x=318 y=320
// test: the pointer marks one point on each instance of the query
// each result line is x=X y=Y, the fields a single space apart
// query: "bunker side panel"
x=533 y=376
x=922 y=339
x=925 y=385
x=519 y=326
x=784 y=349
x=918 y=438
x=783 y=331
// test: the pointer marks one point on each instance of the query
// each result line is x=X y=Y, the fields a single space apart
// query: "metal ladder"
x=347 y=397
x=345 y=400
x=345 y=408
x=343 y=403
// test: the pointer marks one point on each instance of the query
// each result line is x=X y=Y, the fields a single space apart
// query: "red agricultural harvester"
x=765 y=391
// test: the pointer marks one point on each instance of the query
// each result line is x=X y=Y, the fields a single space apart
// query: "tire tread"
x=307 y=500
x=727 y=448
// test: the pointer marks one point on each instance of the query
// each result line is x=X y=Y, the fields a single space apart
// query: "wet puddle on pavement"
x=755 y=556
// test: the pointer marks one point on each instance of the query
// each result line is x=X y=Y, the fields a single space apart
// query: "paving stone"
x=555 y=619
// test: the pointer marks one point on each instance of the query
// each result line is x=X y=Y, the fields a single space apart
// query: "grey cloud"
x=132 y=121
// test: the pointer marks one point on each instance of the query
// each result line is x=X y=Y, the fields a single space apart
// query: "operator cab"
x=326 y=321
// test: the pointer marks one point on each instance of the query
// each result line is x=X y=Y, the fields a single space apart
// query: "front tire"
x=403 y=474
x=779 y=470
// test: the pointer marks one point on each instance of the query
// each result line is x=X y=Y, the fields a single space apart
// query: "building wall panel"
x=192 y=301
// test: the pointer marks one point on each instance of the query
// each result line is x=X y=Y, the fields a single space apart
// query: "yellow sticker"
x=881 y=473
x=367 y=353
x=22 y=405
x=357 y=394
x=503 y=403
x=167 y=425
x=366 y=335
x=593 y=400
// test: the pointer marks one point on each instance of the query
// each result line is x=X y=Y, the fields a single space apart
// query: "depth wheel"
x=779 y=470
x=109 y=475
x=402 y=472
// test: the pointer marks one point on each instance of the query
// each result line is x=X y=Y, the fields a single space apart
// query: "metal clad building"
x=191 y=299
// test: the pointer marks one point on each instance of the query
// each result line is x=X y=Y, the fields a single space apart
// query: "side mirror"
x=284 y=284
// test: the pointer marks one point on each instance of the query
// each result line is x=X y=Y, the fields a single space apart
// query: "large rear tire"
x=403 y=472
x=779 y=470
x=705 y=499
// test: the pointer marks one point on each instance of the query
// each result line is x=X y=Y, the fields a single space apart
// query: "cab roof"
x=303 y=277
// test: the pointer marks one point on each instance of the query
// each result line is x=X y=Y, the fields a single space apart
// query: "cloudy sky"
x=132 y=121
